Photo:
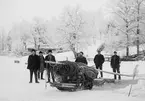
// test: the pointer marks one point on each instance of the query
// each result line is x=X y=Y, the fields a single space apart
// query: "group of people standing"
x=37 y=65
x=99 y=60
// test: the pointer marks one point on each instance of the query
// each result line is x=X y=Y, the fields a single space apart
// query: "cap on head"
x=98 y=51
x=33 y=50
x=40 y=52
x=49 y=51
x=115 y=52
x=81 y=52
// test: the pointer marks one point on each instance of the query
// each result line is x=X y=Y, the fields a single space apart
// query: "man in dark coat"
x=81 y=58
x=115 y=64
x=33 y=65
x=99 y=60
x=49 y=67
x=42 y=66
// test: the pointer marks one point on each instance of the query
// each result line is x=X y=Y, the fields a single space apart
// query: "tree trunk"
x=25 y=45
x=38 y=47
x=137 y=45
x=138 y=30
x=127 y=36
x=127 y=51
x=73 y=50
x=35 y=43
x=137 y=41
x=75 y=54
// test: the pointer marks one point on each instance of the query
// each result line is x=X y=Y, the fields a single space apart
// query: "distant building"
x=44 y=48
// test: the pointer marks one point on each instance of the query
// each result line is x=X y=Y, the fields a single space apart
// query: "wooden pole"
x=46 y=79
x=135 y=72
x=113 y=73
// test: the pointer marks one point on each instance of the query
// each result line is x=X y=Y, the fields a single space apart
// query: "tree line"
x=75 y=29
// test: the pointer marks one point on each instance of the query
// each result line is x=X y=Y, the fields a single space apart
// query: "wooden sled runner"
x=71 y=76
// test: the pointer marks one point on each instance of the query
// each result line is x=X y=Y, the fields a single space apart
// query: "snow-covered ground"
x=14 y=85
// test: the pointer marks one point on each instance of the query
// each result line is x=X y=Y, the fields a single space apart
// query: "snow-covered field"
x=14 y=85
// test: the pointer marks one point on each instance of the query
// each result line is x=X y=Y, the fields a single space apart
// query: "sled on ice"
x=71 y=76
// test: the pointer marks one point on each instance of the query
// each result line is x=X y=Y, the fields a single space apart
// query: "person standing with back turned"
x=99 y=60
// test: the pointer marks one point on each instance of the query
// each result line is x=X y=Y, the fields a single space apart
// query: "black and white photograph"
x=72 y=50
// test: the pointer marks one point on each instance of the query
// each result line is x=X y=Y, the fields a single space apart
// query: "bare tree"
x=72 y=28
x=110 y=36
x=39 y=31
x=139 y=15
x=9 y=43
x=126 y=13
x=24 y=38
x=2 y=40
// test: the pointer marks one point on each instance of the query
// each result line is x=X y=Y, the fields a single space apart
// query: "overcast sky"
x=12 y=11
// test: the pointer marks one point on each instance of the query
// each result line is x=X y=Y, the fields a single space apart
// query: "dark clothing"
x=49 y=58
x=49 y=67
x=99 y=60
x=42 y=63
x=33 y=66
x=117 y=69
x=33 y=62
x=115 y=60
x=100 y=67
x=40 y=75
x=42 y=66
x=50 y=72
x=81 y=59
x=35 y=74
x=115 y=64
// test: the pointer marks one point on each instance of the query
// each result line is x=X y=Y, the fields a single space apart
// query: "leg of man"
x=31 y=75
x=114 y=70
x=35 y=73
x=48 y=74
x=97 y=67
x=52 y=74
x=38 y=73
x=118 y=71
x=42 y=75
x=101 y=72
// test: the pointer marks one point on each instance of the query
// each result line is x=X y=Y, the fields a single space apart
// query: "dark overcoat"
x=33 y=62
x=42 y=63
x=49 y=57
x=115 y=61
x=99 y=60
x=81 y=59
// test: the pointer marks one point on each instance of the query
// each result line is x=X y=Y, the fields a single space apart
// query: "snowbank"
x=138 y=90
x=14 y=85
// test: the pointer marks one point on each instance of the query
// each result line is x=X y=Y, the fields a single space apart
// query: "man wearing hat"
x=33 y=65
x=81 y=58
x=115 y=64
x=42 y=66
x=49 y=67
x=99 y=60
